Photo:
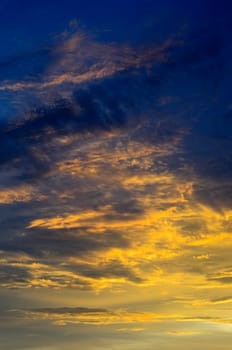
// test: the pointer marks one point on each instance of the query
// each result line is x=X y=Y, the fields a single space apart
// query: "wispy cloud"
x=78 y=59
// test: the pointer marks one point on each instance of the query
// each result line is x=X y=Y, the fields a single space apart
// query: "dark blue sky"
x=25 y=24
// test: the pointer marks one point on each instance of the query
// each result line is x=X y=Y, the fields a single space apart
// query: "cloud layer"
x=115 y=187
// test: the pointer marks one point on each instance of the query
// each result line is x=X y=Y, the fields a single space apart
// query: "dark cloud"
x=192 y=227
x=13 y=277
x=223 y=280
x=71 y=311
x=53 y=246
x=214 y=195
x=48 y=244
x=99 y=107
x=126 y=207
x=223 y=299
x=110 y=269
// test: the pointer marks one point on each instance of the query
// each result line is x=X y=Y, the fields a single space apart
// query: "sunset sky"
x=115 y=175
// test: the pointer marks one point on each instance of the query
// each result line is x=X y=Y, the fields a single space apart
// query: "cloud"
x=15 y=195
x=42 y=243
x=116 y=103
x=67 y=316
x=14 y=277
x=113 y=178
x=223 y=280
x=115 y=191
x=223 y=300
x=76 y=58
x=61 y=259
x=86 y=316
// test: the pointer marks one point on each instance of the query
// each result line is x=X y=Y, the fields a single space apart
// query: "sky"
x=115 y=175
